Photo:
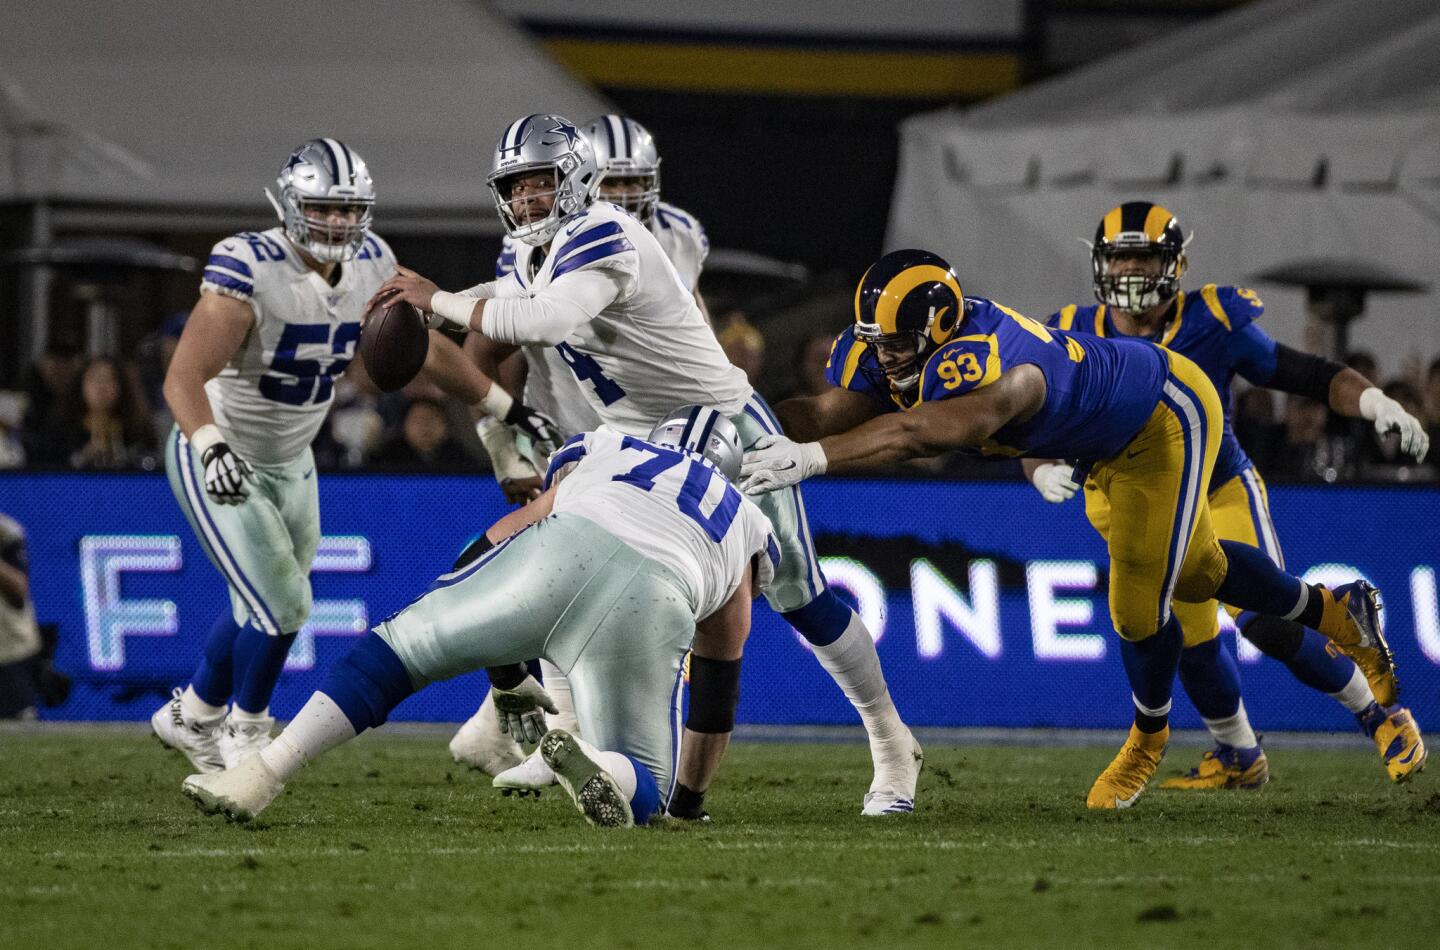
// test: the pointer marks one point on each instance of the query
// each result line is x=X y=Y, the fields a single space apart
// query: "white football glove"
x=227 y=475
x=777 y=462
x=1054 y=481
x=1389 y=416
x=522 y=710
x=511 y=462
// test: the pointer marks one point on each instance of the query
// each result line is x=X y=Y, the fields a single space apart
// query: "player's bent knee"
x=292 y=609
x=714 y=694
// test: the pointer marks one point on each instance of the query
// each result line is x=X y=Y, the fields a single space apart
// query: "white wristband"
x=205 y=437
x=497 y=402
x=455 y=308
x=1370 y=402
x=816 y=454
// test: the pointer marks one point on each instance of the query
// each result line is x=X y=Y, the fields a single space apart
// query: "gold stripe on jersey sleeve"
x=1212 y=300
x=852 y=363
x=1067 y=316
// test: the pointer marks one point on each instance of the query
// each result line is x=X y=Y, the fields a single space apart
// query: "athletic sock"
x=1151 y=665
x=1254 y=582
x=1233 y=730
x=1211 y=679
x=197 y=709
x=1317 y=666
x=214 y=677
x=849 y=657
x=242 y=716
x=318 y=727
x=557 y=684
x=259 y=658
x=1355 y=695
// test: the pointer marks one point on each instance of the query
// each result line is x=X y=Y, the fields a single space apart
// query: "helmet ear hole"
x=946 y=323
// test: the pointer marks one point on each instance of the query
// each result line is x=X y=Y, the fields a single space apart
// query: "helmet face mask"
x=543 y=143
x=1138 y=257
x=908 y=305
x=319 y=177
x=625 y=151
x=703 y=431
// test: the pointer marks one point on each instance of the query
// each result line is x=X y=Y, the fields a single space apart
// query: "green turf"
x=386 y=844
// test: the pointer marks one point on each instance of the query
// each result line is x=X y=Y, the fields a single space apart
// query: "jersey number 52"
x=297 y=382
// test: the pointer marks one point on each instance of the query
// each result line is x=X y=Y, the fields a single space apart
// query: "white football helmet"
x=319 y=175
x=540 y=143
x=624 y=149
x=702 y=431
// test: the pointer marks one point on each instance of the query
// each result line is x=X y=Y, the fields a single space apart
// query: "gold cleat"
x=1225 y=767
x=1120 y=785
x=1352 y=621
x=1402 y=749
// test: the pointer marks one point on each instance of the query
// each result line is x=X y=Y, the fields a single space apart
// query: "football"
x=393 y=344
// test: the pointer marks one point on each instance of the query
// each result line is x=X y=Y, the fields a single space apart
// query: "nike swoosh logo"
x=228 y=247
x=308 y=474
x=1131 y=455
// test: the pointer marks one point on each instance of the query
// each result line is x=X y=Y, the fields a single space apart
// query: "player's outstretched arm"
x=807 y=418
x=1273 y=365
x=929 y=429
x=714 y=694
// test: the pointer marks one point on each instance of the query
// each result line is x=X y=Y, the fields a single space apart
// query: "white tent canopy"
x=1290 y=129
x=189 y=104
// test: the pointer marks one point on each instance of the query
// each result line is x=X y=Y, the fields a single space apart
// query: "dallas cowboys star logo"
x=295 y=159
x=572 y=134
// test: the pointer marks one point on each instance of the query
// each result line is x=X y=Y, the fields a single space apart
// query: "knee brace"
x=714 y=694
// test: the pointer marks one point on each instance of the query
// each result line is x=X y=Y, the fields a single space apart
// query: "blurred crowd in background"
x=107 y=413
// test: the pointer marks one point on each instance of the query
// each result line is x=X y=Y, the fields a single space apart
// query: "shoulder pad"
x=964 y=364
x=589 y=241
x=843 y=369
x=1068 y=317
x=574 y=449
x=230 y=269
x=1232 y=307
x=669 y=216
x=374 y=248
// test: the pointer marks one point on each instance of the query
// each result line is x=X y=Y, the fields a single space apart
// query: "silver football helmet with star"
x=539 y=143
x=321 y=175
x=702 y=431
x=624 y=149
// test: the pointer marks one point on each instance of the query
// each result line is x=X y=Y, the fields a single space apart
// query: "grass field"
x=386 y=844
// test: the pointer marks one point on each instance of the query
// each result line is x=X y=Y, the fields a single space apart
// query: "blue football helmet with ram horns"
x=909 y=300
x=319 y=176
x=625 y=152
x=702 y=431
x=1138 y=228
x=537 y=143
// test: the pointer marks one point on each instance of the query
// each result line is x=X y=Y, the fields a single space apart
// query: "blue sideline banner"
x=987 y=604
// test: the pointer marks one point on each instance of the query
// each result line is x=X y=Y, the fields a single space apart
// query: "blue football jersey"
x=1098 y=392
x=1215 y=329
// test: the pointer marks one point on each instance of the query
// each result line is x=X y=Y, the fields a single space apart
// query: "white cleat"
x=243 y=738
x=239 y=794
x=594 y=791
x=479 y=743
x=529 y=776
x=199 y=741
x=897 y=769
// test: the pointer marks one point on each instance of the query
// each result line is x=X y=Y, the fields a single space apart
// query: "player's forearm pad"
x=1304 y=374
x=714 y=694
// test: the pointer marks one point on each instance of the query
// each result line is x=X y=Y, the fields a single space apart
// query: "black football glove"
x=538 y=426
x=227 y=475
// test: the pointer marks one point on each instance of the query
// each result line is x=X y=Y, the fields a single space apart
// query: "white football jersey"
x=550 y=384
x=672 y=507
x=649 y=351
x=271 y=398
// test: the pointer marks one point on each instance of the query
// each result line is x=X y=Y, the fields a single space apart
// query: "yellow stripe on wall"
x=725 y=68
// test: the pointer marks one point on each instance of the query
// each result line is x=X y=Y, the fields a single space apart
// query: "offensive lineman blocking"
x=592 y=281
x=607 y=574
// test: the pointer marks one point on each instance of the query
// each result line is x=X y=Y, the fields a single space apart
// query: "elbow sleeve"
x=1304 y=374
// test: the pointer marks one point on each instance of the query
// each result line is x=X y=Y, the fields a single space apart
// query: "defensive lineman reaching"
x=925 y=369
x=1137 y=260
x=606 y=575
x=594 y=283
x=629 y=165
x=277 y=322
